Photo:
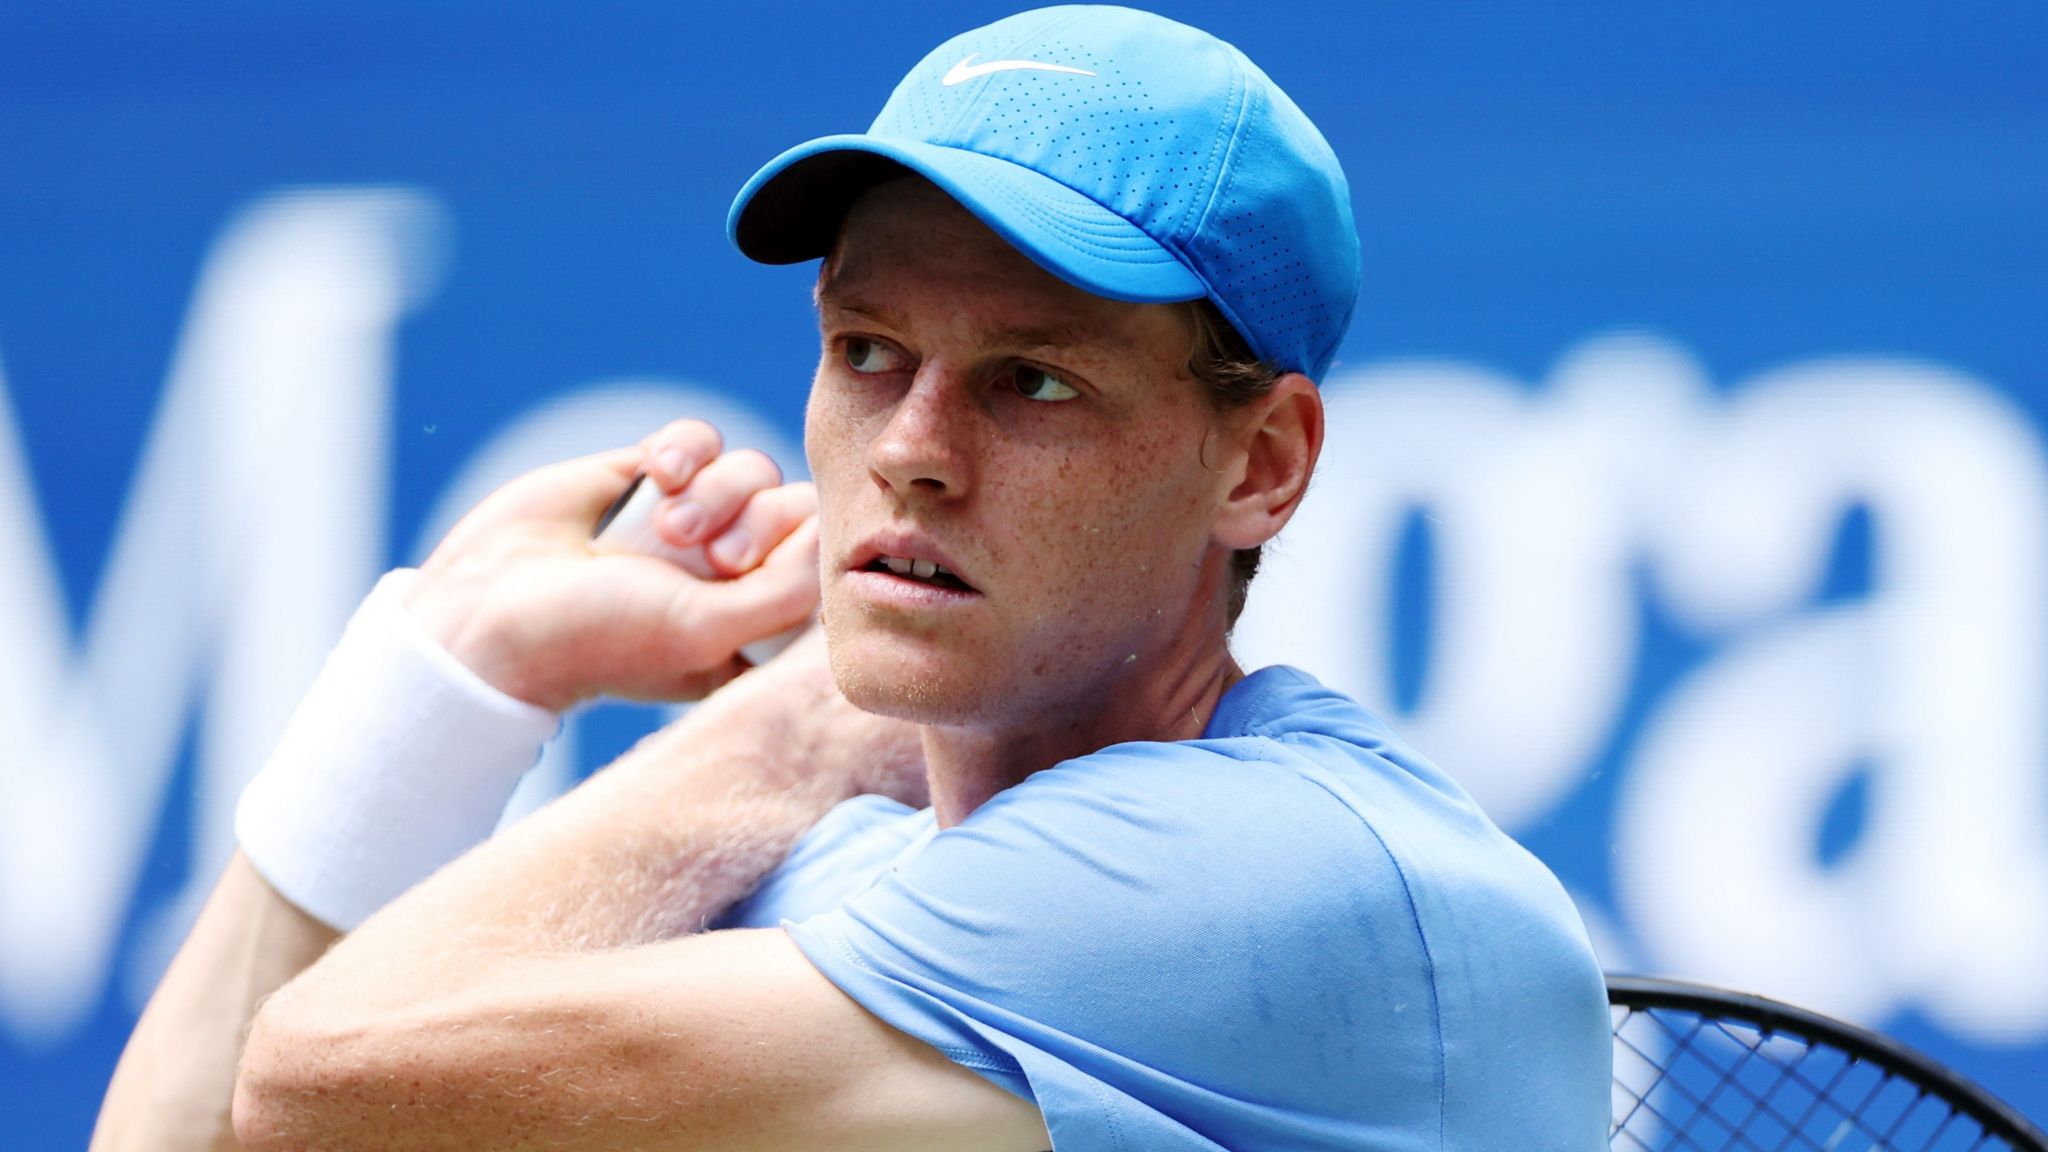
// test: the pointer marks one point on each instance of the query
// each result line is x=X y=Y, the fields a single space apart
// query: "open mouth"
x=922 y=571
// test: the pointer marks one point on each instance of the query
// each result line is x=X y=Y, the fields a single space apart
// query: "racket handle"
x=628 y=526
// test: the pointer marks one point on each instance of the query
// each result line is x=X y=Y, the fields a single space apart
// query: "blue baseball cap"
x=1132 y=156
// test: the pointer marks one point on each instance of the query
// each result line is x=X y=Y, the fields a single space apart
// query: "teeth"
x=917 y=569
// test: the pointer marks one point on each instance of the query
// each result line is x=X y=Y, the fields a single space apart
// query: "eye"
x=1038 y=384
x=870 y=357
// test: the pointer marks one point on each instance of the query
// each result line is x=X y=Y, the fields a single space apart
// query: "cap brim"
x=792 y=208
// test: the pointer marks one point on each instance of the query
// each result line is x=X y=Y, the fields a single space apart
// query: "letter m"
x=255 y=520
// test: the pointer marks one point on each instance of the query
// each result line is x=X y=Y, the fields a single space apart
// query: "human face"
x=1042 y=445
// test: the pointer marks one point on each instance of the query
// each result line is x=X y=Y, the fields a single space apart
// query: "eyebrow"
x=855 y=307
x=1052 y=334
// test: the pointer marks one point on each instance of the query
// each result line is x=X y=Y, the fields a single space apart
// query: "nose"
x=931 y=441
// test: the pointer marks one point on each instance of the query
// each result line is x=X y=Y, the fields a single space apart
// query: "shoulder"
x=1500 y=950
x=1474 y=890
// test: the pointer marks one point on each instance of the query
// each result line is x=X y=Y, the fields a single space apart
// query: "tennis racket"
x=1700 y=1069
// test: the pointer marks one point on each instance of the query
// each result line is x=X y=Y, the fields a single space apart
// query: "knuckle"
x=688 y=431
x=696 y=440
x=735 y=477
x=755 y=463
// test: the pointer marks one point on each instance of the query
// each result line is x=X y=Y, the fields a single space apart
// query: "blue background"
x=1764 y=182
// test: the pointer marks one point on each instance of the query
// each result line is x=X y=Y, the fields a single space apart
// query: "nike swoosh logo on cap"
x=967 y=70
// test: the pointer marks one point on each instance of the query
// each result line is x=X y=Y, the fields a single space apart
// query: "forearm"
x=653 y=847
x=172 y=1088
x=447 y=987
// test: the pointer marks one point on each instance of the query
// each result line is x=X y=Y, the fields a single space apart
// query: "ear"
x=1275 y=441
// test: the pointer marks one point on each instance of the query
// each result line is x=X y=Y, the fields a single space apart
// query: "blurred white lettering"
x=1938 y=680
x=255 y=522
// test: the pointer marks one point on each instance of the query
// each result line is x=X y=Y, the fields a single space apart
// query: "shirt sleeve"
x=1164 y=948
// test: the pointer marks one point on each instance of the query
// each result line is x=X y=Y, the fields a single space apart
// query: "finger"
x=714 y=496
x=761 y=525
x=778 y=595
x=678 y=450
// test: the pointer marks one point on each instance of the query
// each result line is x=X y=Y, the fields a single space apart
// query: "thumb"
x=562 y=498
x=578 y=491
x=572 y=492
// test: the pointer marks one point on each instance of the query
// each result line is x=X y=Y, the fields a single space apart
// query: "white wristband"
x=398 y=760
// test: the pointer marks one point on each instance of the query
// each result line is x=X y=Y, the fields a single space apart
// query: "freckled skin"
x=1086 y=524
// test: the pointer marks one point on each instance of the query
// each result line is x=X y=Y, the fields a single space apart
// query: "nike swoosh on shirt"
x=967 y=70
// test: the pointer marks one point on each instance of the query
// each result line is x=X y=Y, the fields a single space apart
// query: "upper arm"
x=726 y=1040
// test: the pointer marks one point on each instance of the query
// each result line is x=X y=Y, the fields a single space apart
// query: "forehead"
x=909 y=254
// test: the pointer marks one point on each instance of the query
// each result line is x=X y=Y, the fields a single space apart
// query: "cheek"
x=819 y=421
x=1160 y=477
x=1118 y=523
x=831 y=446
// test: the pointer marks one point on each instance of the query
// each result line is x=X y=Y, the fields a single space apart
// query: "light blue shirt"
x=1292 y=933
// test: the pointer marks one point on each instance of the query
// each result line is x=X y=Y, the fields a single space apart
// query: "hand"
x=517 y=594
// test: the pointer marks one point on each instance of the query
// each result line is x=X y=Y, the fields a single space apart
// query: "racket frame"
x=1773 y=1017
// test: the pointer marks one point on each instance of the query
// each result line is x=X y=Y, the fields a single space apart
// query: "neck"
x=967 y=764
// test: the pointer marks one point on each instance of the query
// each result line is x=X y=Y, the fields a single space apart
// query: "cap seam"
x=1242 y=93
x=1226 y=140
x=1329 y=352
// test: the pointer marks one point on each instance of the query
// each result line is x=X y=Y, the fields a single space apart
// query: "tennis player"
x=1010 y=854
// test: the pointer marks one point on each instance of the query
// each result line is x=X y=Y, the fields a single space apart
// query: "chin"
x=904 y=679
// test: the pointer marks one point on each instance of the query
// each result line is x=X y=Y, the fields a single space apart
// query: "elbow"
x=295 y=1088
x=315 y=1075
x=269 y=1082
x=254 y=1117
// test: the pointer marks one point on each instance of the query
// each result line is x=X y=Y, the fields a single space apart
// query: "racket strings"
x=1687 y=1082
